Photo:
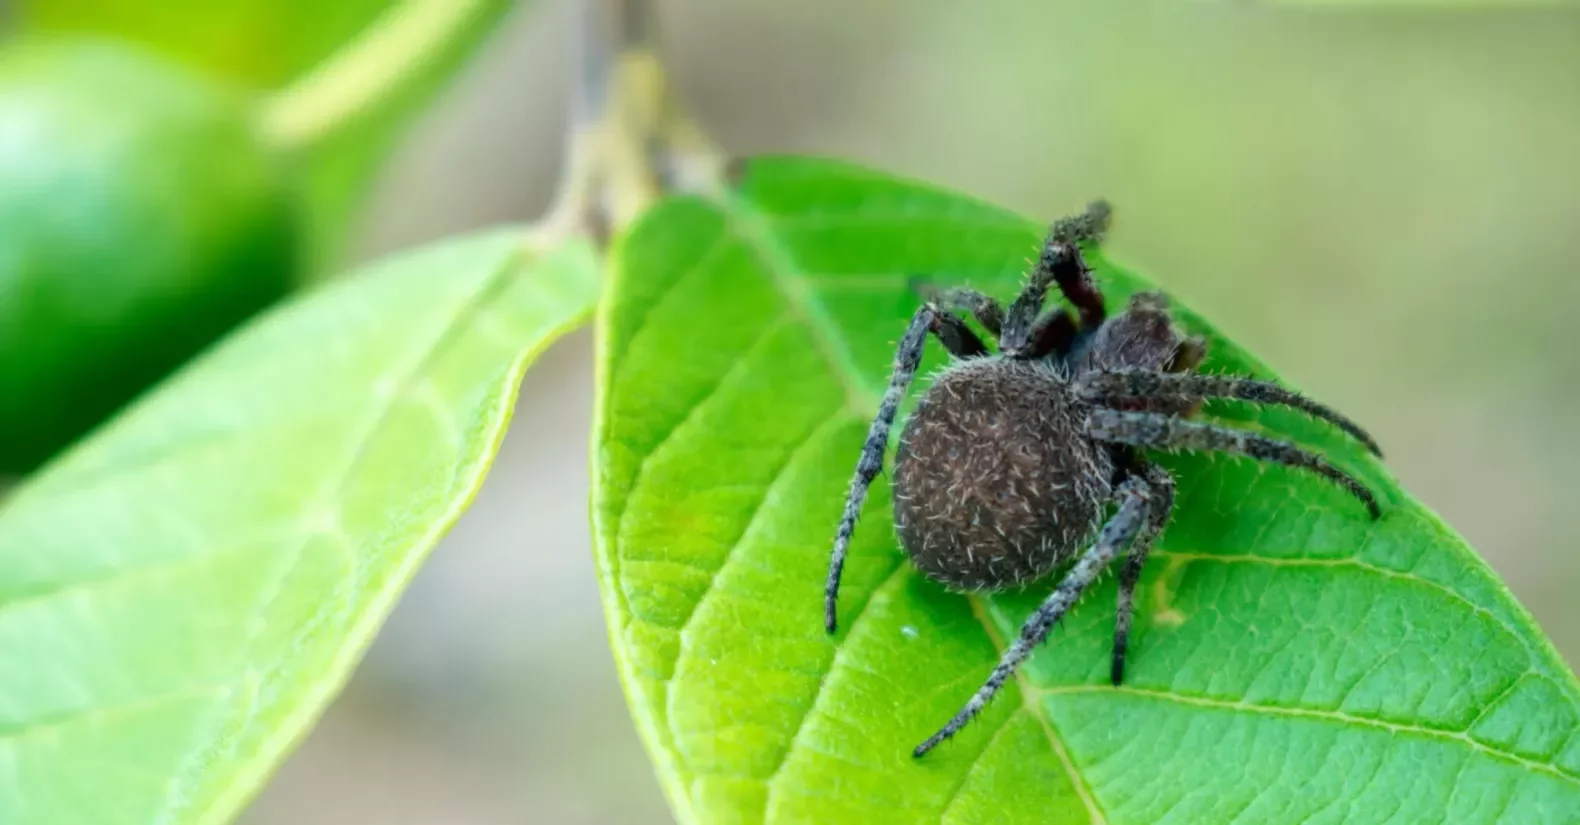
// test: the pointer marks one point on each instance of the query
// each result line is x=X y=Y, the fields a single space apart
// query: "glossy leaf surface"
x=184 y=592
x=1293 y=661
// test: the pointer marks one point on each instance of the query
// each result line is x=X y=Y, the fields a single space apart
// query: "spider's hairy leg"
x=961 y=342
x=1164 y=432
x=1161 y=507
x=1131 y=518
x=956 y=336
x=1052 y=334
x=1107 y=387
x=1060 y=263
x=987 y=310
x=1088 y=226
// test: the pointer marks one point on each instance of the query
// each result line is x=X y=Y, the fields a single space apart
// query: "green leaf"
x=182 y=594
x=358 y=71
x=257 y=43
x=1293 y=661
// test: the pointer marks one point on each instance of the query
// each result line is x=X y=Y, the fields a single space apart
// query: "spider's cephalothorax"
x=1011 y=458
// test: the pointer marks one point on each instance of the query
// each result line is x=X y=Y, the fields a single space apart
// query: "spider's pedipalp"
x=1130 y=519
x=1185 y=388
x=1165 y=432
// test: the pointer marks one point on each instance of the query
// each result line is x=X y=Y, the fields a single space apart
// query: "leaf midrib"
x=1028 y=698
x=752 y=227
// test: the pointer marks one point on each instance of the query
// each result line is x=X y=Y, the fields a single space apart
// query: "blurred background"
x=1385 y=206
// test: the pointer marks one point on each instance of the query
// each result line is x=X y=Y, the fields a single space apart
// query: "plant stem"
x=630 y=140
x=367 y=71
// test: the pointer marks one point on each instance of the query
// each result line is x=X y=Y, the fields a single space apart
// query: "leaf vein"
x=777 y=478
x=965 y=775
x=487 y=290
x=751 y=226
x=771 y=783
x=639 y=477
x=1492 y=703
x=52 y=723
x=704 y=259
x=1028 y=694
x=1341 y=717
x=1350 y=562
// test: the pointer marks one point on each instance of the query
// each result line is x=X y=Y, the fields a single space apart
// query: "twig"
x=630 y=140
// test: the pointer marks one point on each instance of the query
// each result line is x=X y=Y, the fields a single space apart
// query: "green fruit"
x=140 y=219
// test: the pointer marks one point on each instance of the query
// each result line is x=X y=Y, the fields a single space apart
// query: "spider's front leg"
x=962 y=343
x=1060 y=263
x=1133 y=516
x=985 y=308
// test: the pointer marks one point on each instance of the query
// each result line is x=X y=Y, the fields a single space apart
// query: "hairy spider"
x=1009 y=461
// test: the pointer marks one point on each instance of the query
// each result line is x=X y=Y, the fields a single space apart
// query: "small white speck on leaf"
x=909 y=632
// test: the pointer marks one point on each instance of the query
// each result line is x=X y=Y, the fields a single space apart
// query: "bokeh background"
x=1385 y=206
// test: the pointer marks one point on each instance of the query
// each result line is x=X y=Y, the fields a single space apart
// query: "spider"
x=1006 y=467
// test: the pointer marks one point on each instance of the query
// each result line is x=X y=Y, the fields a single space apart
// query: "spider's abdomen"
x=994 y=482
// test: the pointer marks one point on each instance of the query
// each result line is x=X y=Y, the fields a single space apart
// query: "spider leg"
x=956 y=336
x=1130 y=519
x=1085 y=227
x=1059 y=263
x=1160 y=431
x=961 y=342
x=1052 y=334
x=1162 y=506
x=1183 y=388
x=987 y=310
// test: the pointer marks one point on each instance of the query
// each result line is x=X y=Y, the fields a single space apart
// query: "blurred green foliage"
x=140 y=219
x=153 y=202
x=269 y=45
x=263 y=44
